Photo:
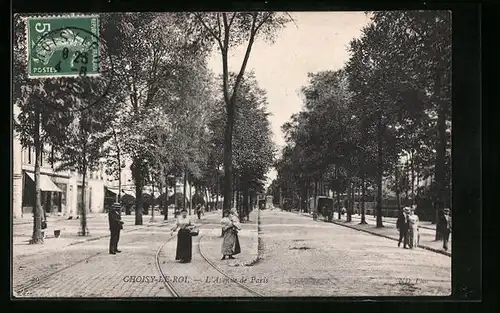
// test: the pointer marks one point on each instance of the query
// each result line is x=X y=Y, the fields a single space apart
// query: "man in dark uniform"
x=115 y=225
x=403 y=226
x=444 y=227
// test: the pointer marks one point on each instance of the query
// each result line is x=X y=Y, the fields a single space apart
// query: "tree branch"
x=253 y=32
x=219 y=26
x=217 y=38
x=224 y=54
x=232 y=19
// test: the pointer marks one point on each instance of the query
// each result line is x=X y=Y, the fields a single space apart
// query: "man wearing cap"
x=403 y=225
x=115 y=225
x=445 y=227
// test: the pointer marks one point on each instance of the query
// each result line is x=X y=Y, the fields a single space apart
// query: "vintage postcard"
x=232 y=154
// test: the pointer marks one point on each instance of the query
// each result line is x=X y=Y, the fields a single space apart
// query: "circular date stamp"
x=70 y=46
x=63 y=46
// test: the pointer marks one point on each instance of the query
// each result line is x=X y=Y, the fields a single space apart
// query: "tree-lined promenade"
x=163 y=109
x=381 y=120
x=384 y=119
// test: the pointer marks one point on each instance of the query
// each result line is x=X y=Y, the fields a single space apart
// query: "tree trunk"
x=119 y=195
x=246 y=195
x=190 y=195
x=338 y=204
x=315 y=204
x=217 y=192
x=363 y=193
x=175 y=197
x=380 y=172
x=398 y=193
x=165 y=202
x=118 y=158
x=412 y=179
x=440 y=179
x=206 y=197
x=349 y=202
x=417 y=174
x=139 y=179
x=308 y=187
x=237 y=194
x=184 y=189
x=37 y=237
x=300 y=200
x=228 y=157
x=83 y=221
x=153 y=202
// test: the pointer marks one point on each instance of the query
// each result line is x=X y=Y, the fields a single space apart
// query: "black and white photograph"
x=232 y=154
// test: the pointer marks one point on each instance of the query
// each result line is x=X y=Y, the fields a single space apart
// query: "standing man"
x=403 y=226
x=115 y=225
x=445 y=227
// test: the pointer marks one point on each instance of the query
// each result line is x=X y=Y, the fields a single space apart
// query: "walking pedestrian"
x=184 y=240
x=413 y=231
x=115 y=225
x=230 y=227
x=444 y=226
x=198 y=211
x=402 y=225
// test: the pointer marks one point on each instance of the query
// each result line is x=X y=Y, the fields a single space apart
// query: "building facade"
x=61 y=191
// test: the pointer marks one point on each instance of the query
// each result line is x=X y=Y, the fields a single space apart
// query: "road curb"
x=256 y=259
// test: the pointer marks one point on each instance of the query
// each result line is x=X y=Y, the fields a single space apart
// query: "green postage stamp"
x=63 y=46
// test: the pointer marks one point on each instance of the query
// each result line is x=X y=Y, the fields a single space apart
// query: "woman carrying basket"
x=184 y=240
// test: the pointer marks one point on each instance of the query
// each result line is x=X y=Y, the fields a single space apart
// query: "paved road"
x=297 y=257
x=301 y=257
x=61 y=269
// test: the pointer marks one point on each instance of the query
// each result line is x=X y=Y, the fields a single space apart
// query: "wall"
x=17 y=179
x=24 y=158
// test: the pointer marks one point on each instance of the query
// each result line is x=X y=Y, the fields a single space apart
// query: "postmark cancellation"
x=63 y=46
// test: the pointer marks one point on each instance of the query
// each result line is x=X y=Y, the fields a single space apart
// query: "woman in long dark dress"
x=184 y=239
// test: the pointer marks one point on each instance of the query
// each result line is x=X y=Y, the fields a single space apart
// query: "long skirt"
x=231 y=243
x=413 y=237
x=184 y=246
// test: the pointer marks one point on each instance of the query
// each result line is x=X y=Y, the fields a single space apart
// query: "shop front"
x=53 y=197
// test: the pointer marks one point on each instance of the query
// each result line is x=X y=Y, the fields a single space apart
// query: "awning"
x=124 y=192
x=46 y=183
x=112 y=190
x=128 y=192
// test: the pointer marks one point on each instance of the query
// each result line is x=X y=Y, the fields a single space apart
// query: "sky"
x=317 y=41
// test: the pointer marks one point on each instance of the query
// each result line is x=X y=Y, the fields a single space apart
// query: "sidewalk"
x=389 y=231
x=98 y=228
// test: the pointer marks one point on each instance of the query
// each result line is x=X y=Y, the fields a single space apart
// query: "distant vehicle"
x=321 y=205
x=269 y=202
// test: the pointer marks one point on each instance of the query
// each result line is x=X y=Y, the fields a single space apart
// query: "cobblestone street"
x=324 y=259
x=314 y=258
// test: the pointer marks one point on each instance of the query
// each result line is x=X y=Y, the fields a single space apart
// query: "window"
x=25 y=155
x=52 y=157
x=29 y=155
